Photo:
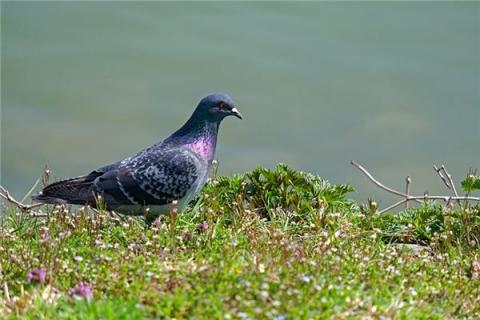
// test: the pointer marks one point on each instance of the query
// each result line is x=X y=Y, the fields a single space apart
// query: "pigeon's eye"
x=221 y=104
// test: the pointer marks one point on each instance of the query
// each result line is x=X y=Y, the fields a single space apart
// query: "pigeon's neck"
x=199 y=136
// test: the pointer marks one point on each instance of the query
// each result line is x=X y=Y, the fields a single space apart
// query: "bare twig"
x=442 y=172
x=380 y=185
x=450 y=180
x=214 y=170
x=46 y=175
x=447 y=179
x=23 y=207
x=449 y=203
x=408 y=180
x=444 y=198
x=393 y=206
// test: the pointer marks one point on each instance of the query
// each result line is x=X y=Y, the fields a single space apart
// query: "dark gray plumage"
x=166 y=175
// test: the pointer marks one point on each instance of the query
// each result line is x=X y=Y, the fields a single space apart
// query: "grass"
x=270 y=244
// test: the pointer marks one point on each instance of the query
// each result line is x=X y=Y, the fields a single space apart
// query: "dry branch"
x=408 y=180
x=23 y=207
x=442 y=172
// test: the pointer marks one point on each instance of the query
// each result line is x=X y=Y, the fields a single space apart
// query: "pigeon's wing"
x=77 y=190
x=152 y=178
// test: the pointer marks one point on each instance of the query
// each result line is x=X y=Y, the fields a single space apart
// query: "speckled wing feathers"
x=156 y=177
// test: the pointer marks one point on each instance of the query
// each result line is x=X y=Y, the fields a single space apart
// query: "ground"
x=270 y=244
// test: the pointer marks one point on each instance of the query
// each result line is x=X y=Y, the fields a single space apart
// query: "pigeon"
x=162 y=177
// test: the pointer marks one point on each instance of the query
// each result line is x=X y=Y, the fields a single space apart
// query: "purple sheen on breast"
x=203 y=147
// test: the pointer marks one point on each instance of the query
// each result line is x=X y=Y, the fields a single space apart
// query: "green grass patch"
x=270 y=244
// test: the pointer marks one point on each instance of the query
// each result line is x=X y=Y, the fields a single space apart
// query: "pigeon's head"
x=215 y=107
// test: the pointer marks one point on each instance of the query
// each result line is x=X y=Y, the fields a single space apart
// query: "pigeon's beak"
x=236 y=113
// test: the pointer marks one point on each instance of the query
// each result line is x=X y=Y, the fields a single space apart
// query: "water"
x=395 y=86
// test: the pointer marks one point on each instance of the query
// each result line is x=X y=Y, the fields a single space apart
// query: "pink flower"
x=37 y=275
x=81 y=290
x=187 y=235
x=202 y=226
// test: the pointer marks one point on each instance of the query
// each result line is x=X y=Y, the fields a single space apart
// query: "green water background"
x=395 y=86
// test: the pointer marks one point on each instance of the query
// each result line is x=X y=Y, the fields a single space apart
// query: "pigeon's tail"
x=77 y=190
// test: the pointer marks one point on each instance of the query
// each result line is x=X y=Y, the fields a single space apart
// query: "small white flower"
x=261 y=268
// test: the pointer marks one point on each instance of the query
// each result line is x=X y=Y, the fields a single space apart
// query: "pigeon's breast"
x=204 y=147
